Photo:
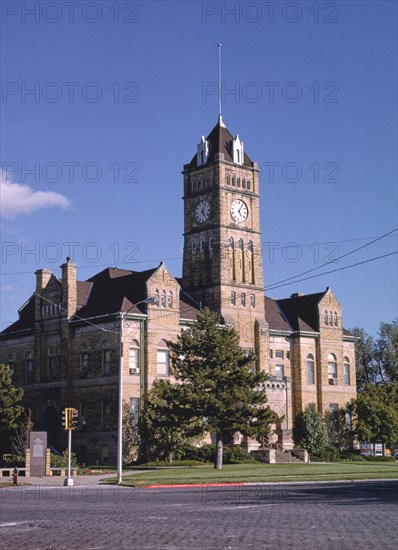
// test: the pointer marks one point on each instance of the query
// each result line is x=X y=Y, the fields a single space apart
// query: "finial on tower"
x=219 y=84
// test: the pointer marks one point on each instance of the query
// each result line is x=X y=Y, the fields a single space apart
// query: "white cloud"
x=19 y=198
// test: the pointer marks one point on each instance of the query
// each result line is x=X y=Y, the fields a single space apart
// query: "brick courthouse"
x=65 y=347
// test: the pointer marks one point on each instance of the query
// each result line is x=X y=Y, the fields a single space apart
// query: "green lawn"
x=264 y=473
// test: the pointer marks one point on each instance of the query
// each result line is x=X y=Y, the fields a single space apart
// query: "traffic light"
x=75 y=419
x=67 y=418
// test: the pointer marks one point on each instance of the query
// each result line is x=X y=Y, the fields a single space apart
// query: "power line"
x=277 y=284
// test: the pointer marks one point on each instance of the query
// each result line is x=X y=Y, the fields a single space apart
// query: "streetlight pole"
x=151 y=300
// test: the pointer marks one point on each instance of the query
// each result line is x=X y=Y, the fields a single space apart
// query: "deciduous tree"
x=10 y=398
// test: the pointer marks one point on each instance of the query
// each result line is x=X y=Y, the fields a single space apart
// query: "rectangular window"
x=134 y=410
x=248 y=184
x=29 y=371
x=279 y=372
x=332 y=369
x=133 y=361
x=106 y=362
x=243 y=299
x=243 y=184
x=252 y=300
x=83 y=415
x=271 y=353
x=228 y=180
x=233 y=180
x=163 y=363
x=346 y=368
x=233 y=298
x=311 y=372
x=279 y=354
x=106 y=415
x=83 y=362
x=237 y=182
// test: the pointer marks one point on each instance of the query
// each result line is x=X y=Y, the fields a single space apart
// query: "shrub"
x=61 y=461
x=328 y=454
x=352 y=456
x=14 y=460
x=379 y=458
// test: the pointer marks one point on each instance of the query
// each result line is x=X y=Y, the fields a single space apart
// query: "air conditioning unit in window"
x=333 y=381
x=134 y=370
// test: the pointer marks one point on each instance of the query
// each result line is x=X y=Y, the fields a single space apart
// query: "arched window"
x=193 y=248
x=346 y=371
x=233 y=297
x=330 y=318
x=29 y=367
x=106 y=358
x=310 y=369
x=240 y=244
x=325 y=317
x=170 y=299
x=163 y=299
x=243 y=299
x=252 y=300
x=211 y=246
x=156 y=296
x=202 y=157
x=250 y=246
x=332 y=369
x=335 y=319
x=202 y=245
x=231 y=243
x=83 y=359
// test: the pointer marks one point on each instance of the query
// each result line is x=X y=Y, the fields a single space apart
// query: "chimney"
x=69 y=288
x=42 y=278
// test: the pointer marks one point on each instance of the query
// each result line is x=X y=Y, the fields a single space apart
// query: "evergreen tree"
x=222 y=389
x=309 y=431
x=10 y=397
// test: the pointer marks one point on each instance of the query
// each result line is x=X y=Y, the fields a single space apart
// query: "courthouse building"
x=65 y=347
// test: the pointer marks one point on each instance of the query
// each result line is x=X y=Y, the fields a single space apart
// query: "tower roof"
x=220 y=139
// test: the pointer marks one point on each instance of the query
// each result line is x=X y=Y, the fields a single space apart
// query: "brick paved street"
x=349 y=515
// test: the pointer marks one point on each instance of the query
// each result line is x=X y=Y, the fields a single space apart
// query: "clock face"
x=239 y=211
x=202 y=211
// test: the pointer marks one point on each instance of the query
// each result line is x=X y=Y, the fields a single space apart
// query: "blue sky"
x=123 y=93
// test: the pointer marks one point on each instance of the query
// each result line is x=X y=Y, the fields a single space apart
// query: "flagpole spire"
x=219 y=83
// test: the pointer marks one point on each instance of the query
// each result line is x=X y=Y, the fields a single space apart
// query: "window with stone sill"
x=332 y=368
x=279 y=354
x=134 y=361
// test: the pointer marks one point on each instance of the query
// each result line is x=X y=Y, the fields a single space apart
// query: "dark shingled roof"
x=274 y=316
x=302 y=311
x=219 y=139
x=26 y=318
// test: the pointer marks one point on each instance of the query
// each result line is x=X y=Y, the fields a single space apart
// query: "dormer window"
x=237 y=152
x=203 y=152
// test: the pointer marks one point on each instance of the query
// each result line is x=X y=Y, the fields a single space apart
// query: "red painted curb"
x=187 y=485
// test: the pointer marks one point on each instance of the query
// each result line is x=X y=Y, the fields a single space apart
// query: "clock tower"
x=222 y=265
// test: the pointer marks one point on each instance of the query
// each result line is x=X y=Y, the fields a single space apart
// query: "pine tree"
x=10 y=397
x=221 y=386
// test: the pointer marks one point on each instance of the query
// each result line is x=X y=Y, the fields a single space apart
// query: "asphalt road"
x=347 y=515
